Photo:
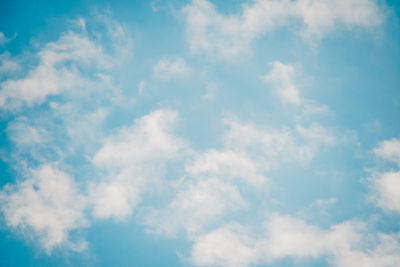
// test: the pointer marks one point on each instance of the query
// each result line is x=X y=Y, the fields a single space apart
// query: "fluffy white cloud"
x=281 y=76
x=45 y=202
x=194 y=207
x=49 y=204
x=343 y=245
x=132 y=159
x=60 y=65
x=387 y=190
x=386 y=185
x=228 y=246
x=50 y=77
x=114 y=199
x=389 y=150
x=166 y=69
x=227 y=35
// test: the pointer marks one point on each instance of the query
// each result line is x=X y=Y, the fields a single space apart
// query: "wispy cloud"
x=165 y=69
x=227 y=35
x=345 y=244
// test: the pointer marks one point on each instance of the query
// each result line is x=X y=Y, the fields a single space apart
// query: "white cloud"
x=194 y=207
x=81 y=23
x=210 y=190
x=75 y=65
x=250 y=151
x=113 y=199
x=227 y=164
x=23 y=134
x=228 y=246
x=386 y=185
x=48 y=204
x=387 y=190
x=81 y=126
x=315 y=134
x=133 y=159
x=275 y=146
x=166 y=69
x=283 y=79
x=343 y=245
x=310 y=107
x=8 y=65
x=389 y=150
x=3 y=39
x=51 y=77
x=321 y=17
x=281 y=76
x=228 y=35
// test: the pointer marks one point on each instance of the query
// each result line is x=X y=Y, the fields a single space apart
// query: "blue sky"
x=200 y=133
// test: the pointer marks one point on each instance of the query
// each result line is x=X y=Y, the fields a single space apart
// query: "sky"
x=200 y=133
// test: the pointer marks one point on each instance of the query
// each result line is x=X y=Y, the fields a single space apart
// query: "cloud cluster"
x=386 y=185
x=228 y=35
x=52 y=76
x=60 y=64
x=71 y=172
x=133 y=159
x=345 y=244
x=48 y=203
x=219 y=183
x=73 y=72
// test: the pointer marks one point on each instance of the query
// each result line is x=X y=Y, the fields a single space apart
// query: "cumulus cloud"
x=228 y=35
x=343 y=245
x=386 y=185
x=387 y=189
x=114 y=199
x=133 y=159
x=73 y=76
x=389 y=150
x=60 y=65
x=50 y=77
x=229 y=246
x=166 y=69
x=48 y=204
x=281 y=76
x=195 y=206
